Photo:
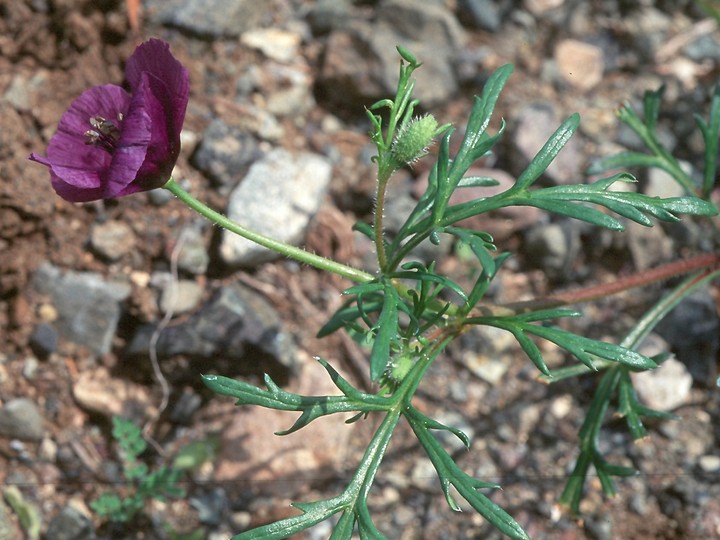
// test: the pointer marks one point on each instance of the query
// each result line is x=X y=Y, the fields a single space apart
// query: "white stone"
x=278 y=198
x=665 y=388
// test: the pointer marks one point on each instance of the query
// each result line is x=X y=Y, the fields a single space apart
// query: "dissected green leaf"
x=450 y=474
x=584 y=349
x=312 y=407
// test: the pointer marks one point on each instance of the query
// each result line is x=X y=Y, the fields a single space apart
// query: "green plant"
x=143 y=484
x=406 y=312
x=403 y=312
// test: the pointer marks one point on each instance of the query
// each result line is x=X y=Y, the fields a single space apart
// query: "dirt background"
x=51 y=51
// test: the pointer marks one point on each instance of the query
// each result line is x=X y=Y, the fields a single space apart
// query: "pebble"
x=210 y=506
x=561 y=406
x=483 y=14
x=291 y=94
x=99 y=392
x=665 y=388
x=70 y=524
x=193 y=256
x=540 y=7
x=662 y=184
x=187 y=404
x=30 y=367
x=279 y=196
x=423 y=474
x=208 y=18
x=225 y=153
x=553 y=248
x=709 y=463
x=276 y=44
x=88 y=305
x=327 y=15
x=580 y=64
x=649 y=246
x=706 y=47
x=44 y=340
x=180 y=296
x=112 y=239
x=21 y=419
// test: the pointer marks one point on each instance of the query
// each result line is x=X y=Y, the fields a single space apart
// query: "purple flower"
x=112 y=143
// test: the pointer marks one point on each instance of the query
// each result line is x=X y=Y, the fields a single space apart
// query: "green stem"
x=378 y=223
x=287 y=250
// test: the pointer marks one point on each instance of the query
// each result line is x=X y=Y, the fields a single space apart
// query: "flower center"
x=105 y=133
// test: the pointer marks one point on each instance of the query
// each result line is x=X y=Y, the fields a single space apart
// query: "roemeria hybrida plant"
x=111 y=143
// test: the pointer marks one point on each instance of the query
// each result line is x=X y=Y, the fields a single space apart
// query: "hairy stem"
x=287 y=250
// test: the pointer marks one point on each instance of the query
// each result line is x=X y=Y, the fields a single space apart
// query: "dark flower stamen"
x=105 y=135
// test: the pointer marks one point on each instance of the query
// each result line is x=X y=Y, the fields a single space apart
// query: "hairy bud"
x=412 y=139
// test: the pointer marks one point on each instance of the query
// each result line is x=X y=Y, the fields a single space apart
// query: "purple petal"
x=154 y=57
x=130 y=152
x=76 y=168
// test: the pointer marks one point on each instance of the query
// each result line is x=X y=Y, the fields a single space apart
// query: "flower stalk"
x=287 y=250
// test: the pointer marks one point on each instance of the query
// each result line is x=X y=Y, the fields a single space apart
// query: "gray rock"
x=236 y=321
x=328 y=15
x=210 y=506
x=21 y=419
x=180 y=296
x=88 y=306
x=208 y=18
x=225 y=153
x=187 y=404
x=482 y=14
x=600 y=527
x=193 y=257
x=292 y=92
x=361 y=63
x=553 y=247
x=70 y=524
x=278 y=198
x=30 y=367
x=693 y=331
x=43 y=340
x=112 y=239
x=706 y=47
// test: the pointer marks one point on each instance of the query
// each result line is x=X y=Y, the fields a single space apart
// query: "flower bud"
x=413 y=138
x=397 y=369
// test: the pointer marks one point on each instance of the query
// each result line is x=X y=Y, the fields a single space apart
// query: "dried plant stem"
x=639 y=279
